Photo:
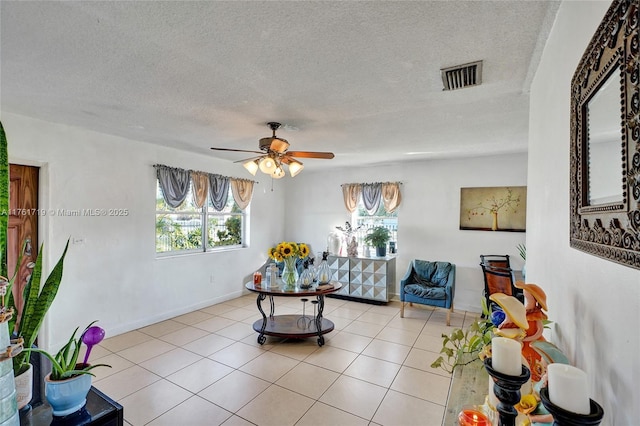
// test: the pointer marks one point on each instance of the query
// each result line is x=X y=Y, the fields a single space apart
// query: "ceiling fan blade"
x=310 y=154
x=249 y=159
x=236 y=150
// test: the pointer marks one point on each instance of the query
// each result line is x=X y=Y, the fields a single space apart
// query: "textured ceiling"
x=361 y=79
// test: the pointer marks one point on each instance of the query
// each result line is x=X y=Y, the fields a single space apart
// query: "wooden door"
x=23 y=226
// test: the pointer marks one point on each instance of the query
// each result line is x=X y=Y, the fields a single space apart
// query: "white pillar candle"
x=568 y=388
x=505 y=356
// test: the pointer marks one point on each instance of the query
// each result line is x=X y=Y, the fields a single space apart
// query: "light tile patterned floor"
x=205 y=368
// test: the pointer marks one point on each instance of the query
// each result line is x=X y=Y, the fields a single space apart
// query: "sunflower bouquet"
x=288 y=252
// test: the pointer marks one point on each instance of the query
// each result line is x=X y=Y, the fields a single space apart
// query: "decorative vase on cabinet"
x=334 y=243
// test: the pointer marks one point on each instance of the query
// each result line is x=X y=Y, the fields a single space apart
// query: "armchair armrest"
x=450 y=288
x=407 y=276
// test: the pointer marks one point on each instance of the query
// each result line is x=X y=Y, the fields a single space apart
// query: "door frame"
x=44 y=230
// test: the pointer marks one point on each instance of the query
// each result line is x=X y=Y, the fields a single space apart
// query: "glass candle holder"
x=470 y=415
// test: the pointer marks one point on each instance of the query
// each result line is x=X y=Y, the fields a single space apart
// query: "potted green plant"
x=69 y=381
x=378 y=237
x=37 y=297
x=37 y=301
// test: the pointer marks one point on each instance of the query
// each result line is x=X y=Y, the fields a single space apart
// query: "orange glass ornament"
x=471 y=416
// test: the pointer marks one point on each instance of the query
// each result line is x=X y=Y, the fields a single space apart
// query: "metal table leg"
x=318 y=319
x=261 y=297
x=273 y=306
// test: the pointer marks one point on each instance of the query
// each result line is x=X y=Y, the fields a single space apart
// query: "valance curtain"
x=391 y=197
x=200 y=182
x=218 y=191
x=242 y=191
x=351 y=193
x=371 y=193
x=174 y=184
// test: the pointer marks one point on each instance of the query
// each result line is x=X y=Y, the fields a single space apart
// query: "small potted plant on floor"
x=67 y=385
x=378 y=237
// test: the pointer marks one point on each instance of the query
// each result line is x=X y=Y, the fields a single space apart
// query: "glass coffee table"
x=292 y=326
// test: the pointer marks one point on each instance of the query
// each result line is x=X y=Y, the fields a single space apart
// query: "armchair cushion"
x=426 y=292
x=431 y=273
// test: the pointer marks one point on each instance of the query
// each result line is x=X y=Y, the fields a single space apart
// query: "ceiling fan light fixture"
x=278 y=173
x=295 y=167
x=252 y=167
x=267 y=165
x=274 y=154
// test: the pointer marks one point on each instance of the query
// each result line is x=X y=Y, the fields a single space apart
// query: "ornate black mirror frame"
x=610 y=230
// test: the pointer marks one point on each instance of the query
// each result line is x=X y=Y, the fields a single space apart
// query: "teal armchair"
x=429 y=283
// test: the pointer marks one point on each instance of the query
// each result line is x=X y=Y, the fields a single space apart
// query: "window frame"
x=377 y=218
x=204 y=214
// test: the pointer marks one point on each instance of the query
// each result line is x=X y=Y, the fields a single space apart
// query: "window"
x=182 y=229
x=360 y=217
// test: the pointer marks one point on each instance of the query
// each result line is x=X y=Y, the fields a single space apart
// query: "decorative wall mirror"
x=605 y=140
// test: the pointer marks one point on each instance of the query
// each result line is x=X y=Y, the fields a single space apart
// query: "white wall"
x=428 y=218
x=114 y=275
x=594 y=303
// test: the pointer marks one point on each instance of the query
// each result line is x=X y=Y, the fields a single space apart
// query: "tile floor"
x=206 y=368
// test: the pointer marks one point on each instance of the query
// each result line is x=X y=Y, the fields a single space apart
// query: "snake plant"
x=36 y=304
x=36 y=300
x=4 y=200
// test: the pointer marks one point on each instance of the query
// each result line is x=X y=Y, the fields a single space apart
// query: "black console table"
x=100 y=410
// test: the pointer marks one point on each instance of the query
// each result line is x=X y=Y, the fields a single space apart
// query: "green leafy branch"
x=461 y=347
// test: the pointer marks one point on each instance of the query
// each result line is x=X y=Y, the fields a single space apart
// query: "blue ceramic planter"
x=67 y=396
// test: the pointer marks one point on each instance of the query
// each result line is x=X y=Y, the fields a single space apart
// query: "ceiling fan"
x=274 y=155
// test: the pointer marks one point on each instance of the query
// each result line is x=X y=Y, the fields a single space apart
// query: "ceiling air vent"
x=461 y=76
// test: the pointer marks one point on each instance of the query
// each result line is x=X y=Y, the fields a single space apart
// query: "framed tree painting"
x=495 y=208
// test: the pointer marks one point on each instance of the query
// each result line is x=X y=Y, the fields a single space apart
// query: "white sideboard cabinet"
x=370 y=278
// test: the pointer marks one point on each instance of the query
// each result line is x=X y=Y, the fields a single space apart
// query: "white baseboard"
x=143 y=322
x=466 y=307
x=456 y=307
